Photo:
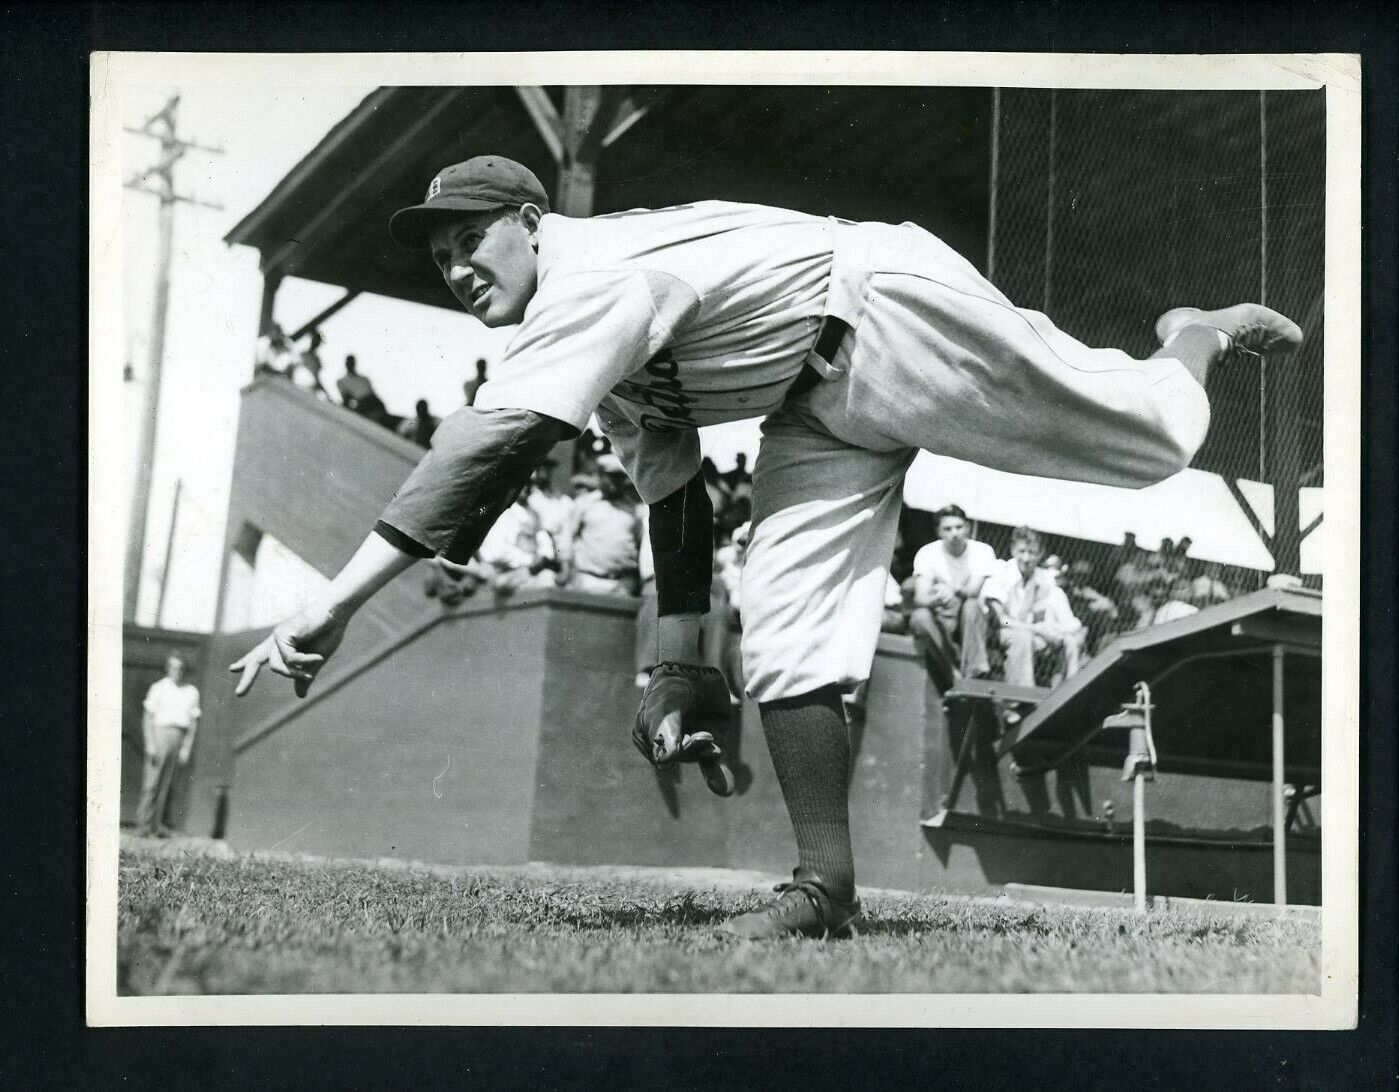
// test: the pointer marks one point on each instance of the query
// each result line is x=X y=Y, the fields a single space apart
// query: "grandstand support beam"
x=334 y=309
x=582 y=133
x=271 y=281
x=1279 y=801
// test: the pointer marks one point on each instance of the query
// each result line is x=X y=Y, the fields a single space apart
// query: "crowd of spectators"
x=277 y=355
x=1034 y=620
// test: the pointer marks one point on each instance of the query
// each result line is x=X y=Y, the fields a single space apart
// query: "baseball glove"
x=681 y=707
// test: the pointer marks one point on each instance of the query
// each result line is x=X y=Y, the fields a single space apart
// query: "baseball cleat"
x=1250 y=327
x=803 y=908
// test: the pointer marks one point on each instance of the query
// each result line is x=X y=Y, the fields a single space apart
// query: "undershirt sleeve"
x=682 y=542
x=479 y=460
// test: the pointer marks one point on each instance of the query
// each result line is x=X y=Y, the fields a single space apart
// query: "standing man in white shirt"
x=171 y=714
x=949 y=618
x=1035 y=615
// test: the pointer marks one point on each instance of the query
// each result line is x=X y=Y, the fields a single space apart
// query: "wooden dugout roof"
x=865 y=153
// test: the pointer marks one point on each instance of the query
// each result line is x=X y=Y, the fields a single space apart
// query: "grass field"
x=198 y=918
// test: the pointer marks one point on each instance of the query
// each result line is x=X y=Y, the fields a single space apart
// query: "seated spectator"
x=1209 y=588
x=273 y=355
x=306 y=368
x=450 y=583
x=1095 y=610
x=551 y=506
x=357 y=393
x=723 y=628
x=1170 y=601
x=948 y=620
x=599 y=549
x=898 y=604
x=420 y=427
x=471 y=386
x=517 y=552
x=1035 y=624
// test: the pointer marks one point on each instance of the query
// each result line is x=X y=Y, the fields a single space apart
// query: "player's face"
x=175 y=668
x=489 y=262
x=953 y=531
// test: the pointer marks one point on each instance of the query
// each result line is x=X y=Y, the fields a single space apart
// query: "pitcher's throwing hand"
x=297 y=649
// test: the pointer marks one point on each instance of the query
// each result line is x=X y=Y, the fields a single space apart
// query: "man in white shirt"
x=949 y=618
x=170 y=716
x=1034 y=614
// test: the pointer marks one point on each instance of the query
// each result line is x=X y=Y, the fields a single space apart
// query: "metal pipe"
x=1139 y=840
x=1279 y=805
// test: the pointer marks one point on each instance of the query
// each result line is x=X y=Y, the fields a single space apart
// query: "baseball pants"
x=937 y=359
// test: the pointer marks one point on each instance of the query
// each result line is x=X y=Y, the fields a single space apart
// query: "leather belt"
x=828 y=341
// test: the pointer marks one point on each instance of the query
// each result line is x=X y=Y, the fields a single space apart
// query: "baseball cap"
x=485 y=182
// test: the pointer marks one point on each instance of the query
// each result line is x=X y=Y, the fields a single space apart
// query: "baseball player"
x=859 y=343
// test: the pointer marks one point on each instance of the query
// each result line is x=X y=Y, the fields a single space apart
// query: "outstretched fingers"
x=249 y=665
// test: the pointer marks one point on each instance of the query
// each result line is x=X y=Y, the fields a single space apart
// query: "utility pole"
x=158 y=181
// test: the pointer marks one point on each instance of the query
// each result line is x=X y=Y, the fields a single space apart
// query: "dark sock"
x=810 y=749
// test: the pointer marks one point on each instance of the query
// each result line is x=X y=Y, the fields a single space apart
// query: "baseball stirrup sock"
x=810 y=749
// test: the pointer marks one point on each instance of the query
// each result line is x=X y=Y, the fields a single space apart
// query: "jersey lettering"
x=662 y=392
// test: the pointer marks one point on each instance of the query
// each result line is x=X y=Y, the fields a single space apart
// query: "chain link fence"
x=1107 y=208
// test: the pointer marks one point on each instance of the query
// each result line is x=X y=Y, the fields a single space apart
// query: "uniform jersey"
x=665 y=320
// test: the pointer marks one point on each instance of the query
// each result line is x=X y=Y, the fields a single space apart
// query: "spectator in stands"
x=948 y=620
x=739 y=481
x=1170 y=600
x=581 y=484
x=169 y=718
x=357 y=393
x=451 y=584
x=551 y=506
x=898 y=604
x=517 y=552
x=726 y=631
x=719 y=496
x=1209 y=588
x=1097 y=612
x=273 y=355
x=471 y=386
x=1034 y=619
x=599 y=550
x=420 y=427
x=306 y=368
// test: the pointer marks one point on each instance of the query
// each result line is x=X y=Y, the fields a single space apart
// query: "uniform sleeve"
x=658 y=463
x=478 y=461
x=582 y=334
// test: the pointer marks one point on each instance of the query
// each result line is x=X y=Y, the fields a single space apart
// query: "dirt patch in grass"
x=198 y=919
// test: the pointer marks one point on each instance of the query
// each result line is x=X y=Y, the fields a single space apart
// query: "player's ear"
x=530 y=216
